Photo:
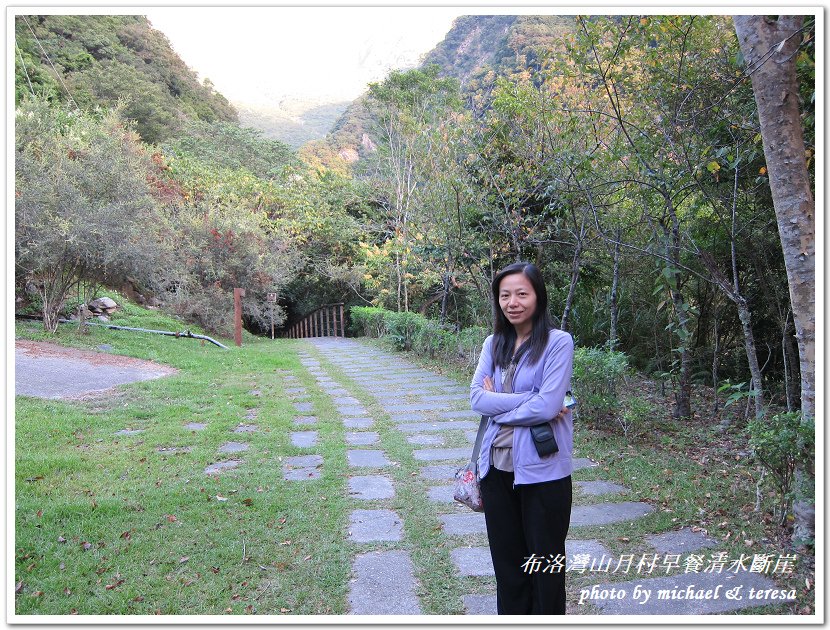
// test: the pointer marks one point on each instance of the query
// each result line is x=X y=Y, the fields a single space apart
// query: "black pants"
x=528 y=519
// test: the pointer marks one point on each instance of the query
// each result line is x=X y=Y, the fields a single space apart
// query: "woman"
x=522 y=376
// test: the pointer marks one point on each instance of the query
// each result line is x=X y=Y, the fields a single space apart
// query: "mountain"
x=293 y=121
x=476 y=50
x=94 y=60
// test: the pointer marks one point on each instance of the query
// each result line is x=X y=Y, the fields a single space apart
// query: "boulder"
x=103 y=305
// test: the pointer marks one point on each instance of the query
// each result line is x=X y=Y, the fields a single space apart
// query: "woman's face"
x=517 y=300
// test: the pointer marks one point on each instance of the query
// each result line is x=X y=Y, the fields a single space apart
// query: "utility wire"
x=25 y=71
x=57 y=74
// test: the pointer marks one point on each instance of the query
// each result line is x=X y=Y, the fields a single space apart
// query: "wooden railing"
x=322 y=322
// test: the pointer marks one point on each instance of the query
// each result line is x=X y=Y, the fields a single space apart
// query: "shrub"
x=596 y=377
x=635 y=412
x=402 y=328
x=368 y=321
x=781 y=443
x=412 y=331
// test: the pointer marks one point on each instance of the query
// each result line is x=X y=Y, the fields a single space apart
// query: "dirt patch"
x=46 y=349
x=48 y=370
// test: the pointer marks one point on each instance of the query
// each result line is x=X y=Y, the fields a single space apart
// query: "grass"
x=107 y=524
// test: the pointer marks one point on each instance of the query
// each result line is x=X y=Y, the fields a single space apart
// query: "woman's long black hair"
x=504 y=334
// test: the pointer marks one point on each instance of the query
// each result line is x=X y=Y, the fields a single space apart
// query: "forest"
x=659 y=169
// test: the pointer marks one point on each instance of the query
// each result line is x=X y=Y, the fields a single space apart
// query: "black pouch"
x=544 y=439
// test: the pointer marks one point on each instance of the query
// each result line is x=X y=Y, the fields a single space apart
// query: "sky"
x=258 y=56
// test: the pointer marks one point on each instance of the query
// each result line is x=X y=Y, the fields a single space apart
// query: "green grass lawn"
x=107 y=524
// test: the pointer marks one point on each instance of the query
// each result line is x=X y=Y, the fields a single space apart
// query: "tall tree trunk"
x=445 y=296
x=683 y=393
x=790 y=369
x=769 y=47
x=575 y=264
x=716 y=364
x=614 y=304
x=751 y=355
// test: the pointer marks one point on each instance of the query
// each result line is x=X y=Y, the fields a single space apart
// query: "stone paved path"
x=433 y=416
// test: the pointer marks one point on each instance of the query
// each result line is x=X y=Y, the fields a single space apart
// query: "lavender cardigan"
x=539 y=393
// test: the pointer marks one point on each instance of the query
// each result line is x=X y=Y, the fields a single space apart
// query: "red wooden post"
x=342 y=322
x=238 y=294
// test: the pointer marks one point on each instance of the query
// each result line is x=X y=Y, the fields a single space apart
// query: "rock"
x=103 y=305
x=103 y=318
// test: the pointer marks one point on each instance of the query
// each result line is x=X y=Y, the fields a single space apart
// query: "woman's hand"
x=561 y=414
x=488 y=384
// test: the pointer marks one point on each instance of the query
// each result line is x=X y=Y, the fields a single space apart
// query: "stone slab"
x=251 y=414
x=583 y=462
x=681 y=585
x=303 y=461
x=466 y=414
x=346 y=401
x=300 y=474
x=442 y=454
x=607 y=513
x=480 y=604
x=426 y=440
x=195 y=426
x=681 y=541
x=460 y=398
x=296 y=391
x=303 y=420
x=358 y=423
x=303 y=407
x=129 y=432
x=418 y=427
x=215 y=469
x=233 y=447
x=304 y=439
x=476 y=561
x=472 y=561
x=352 y=411
x=246 y=428
x=441 y=494
x=439 y=471
x=367 y=458
x=463 y=524
x=383 y=584
x=598 y=488
x=374 y=526
x=590 y=551
x=371 y=487
x=362 y=438
x=412 y=416
x=421 y=406
x=172 y=450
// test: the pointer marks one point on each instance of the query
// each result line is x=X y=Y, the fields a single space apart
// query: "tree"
x=770 y=47
x=83 y=207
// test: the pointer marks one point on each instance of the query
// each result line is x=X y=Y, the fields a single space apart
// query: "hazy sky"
x=259 y=55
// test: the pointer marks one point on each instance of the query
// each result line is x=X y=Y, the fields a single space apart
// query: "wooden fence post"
x=238 y=294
